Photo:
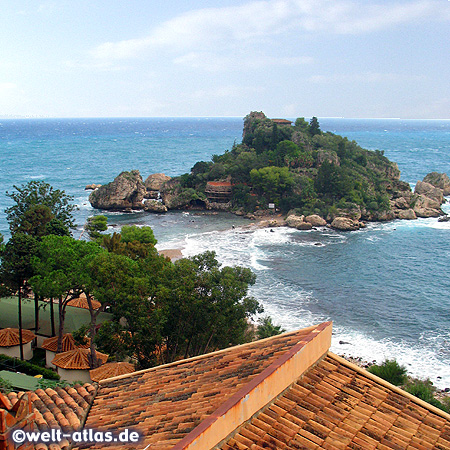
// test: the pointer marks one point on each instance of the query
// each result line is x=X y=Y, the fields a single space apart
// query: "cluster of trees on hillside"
x=161 y=311
x=296 y=167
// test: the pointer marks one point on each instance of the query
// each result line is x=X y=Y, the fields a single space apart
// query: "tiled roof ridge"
x=102 y=372
x=68 y=343
x=203 y=356
x=390 y=386
x=9 y=337
x=262 y=383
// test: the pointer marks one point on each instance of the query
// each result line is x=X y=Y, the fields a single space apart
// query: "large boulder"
x=315 y=220
x=154 y=206
x=406 y=214
x=124 y=193
x=155 y=181
x=345 y=224
x=430 y=191
x=439 y=180
x=298 y=222
x=426 y=207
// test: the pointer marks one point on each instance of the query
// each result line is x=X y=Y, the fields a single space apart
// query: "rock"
x=345 y=224
x=406 y=214
x=428 y=190
x=124 y=193
x=155 y=181
x=444 y=219
x=327 y=155
x=304 y=226
x=439 y=180
x=293 y=221
x=315 y=220
x=426 y=207
x=92 y=187
x=154 y=206
x=400 y=203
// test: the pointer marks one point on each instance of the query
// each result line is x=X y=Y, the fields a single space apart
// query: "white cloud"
x=365 y=77
x=259 y=21
x=6 y=88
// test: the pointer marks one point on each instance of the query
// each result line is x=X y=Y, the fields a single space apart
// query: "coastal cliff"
x=292 y=169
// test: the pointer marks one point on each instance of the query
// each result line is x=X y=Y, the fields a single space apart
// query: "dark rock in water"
x=125 y=193
x=444 y=219
x=317 y=243
x=447 y=390
x=344 y=343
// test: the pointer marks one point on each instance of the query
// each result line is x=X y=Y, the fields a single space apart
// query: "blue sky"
x=288 y=58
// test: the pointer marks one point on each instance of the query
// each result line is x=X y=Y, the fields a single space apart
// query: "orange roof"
x=68 y=343
x=9 y=337
x=110 y=370
x=81 y=302
x=336 y=405
x=219 y=183
x=167 y=403
x=58 y=408
x=76 y=359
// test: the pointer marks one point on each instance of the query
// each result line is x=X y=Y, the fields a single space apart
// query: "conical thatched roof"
x=9 y=337
x=68 y=343
x=76 y=359
x=111 y=370
x=81 y=302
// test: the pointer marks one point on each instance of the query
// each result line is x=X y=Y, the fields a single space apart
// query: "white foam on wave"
x=420 y=361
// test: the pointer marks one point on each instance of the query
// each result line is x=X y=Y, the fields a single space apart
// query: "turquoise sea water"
x=386 y=288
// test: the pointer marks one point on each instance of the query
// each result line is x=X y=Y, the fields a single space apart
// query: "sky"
x=288 y=58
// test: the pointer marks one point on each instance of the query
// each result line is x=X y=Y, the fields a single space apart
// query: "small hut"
x=10 y=342
x=110 y=370
x=50 y=346
x=282 y=122
x=81 y=302
x=74 y=365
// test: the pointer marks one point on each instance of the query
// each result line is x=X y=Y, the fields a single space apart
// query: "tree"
x=27 y=198
x=272 y=182
x=266 y=328
x=17 y=268
x=95 y=225
x=314 y=127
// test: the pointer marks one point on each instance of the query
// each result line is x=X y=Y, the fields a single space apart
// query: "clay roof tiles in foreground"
x=59 y=408
x=9 y=337
x=168 y=403
x=68 y=343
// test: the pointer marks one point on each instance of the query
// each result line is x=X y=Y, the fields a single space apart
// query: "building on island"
x=218 y=191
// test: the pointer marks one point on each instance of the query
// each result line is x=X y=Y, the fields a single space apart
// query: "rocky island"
x=312 y=178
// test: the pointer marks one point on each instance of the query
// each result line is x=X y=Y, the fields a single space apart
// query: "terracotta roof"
x=68 y=343
x=76 y=359
x=9 y=337
x=219 y=183
x=336 y=405
x=167 y=403
x=81 y=302
x=282 y=121
x=111 y=370
x=61 y=408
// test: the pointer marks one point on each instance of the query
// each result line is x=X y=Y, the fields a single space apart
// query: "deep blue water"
x=386 y=288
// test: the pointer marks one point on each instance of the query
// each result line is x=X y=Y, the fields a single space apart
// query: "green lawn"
x=75 y=317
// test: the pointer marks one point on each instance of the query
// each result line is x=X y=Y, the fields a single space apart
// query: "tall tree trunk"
x=62 y=313
x=52 y=316
x=20 y=323
x=36 y=313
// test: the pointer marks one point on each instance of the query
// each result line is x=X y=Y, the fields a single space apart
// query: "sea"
x=386 y=287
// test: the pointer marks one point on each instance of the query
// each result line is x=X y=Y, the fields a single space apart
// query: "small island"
x=309 y=177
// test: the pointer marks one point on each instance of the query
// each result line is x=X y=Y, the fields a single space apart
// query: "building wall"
x=73 y=375
x=49 y=358
x=14 y=352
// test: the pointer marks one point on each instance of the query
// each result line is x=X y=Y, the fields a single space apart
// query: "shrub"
x=8 y=363
x=391 y=371
x=266 y=328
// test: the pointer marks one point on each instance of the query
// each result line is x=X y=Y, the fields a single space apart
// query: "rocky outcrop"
x=124 y=193
x=327 y=155
x=345 y=224
x=406 y=214
x=155 y=181
x=315 y=220
x=426 y=207
x=439 y=180
x=298 y=222
x=430 y=191
x=154 y=206
x=92 y=187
